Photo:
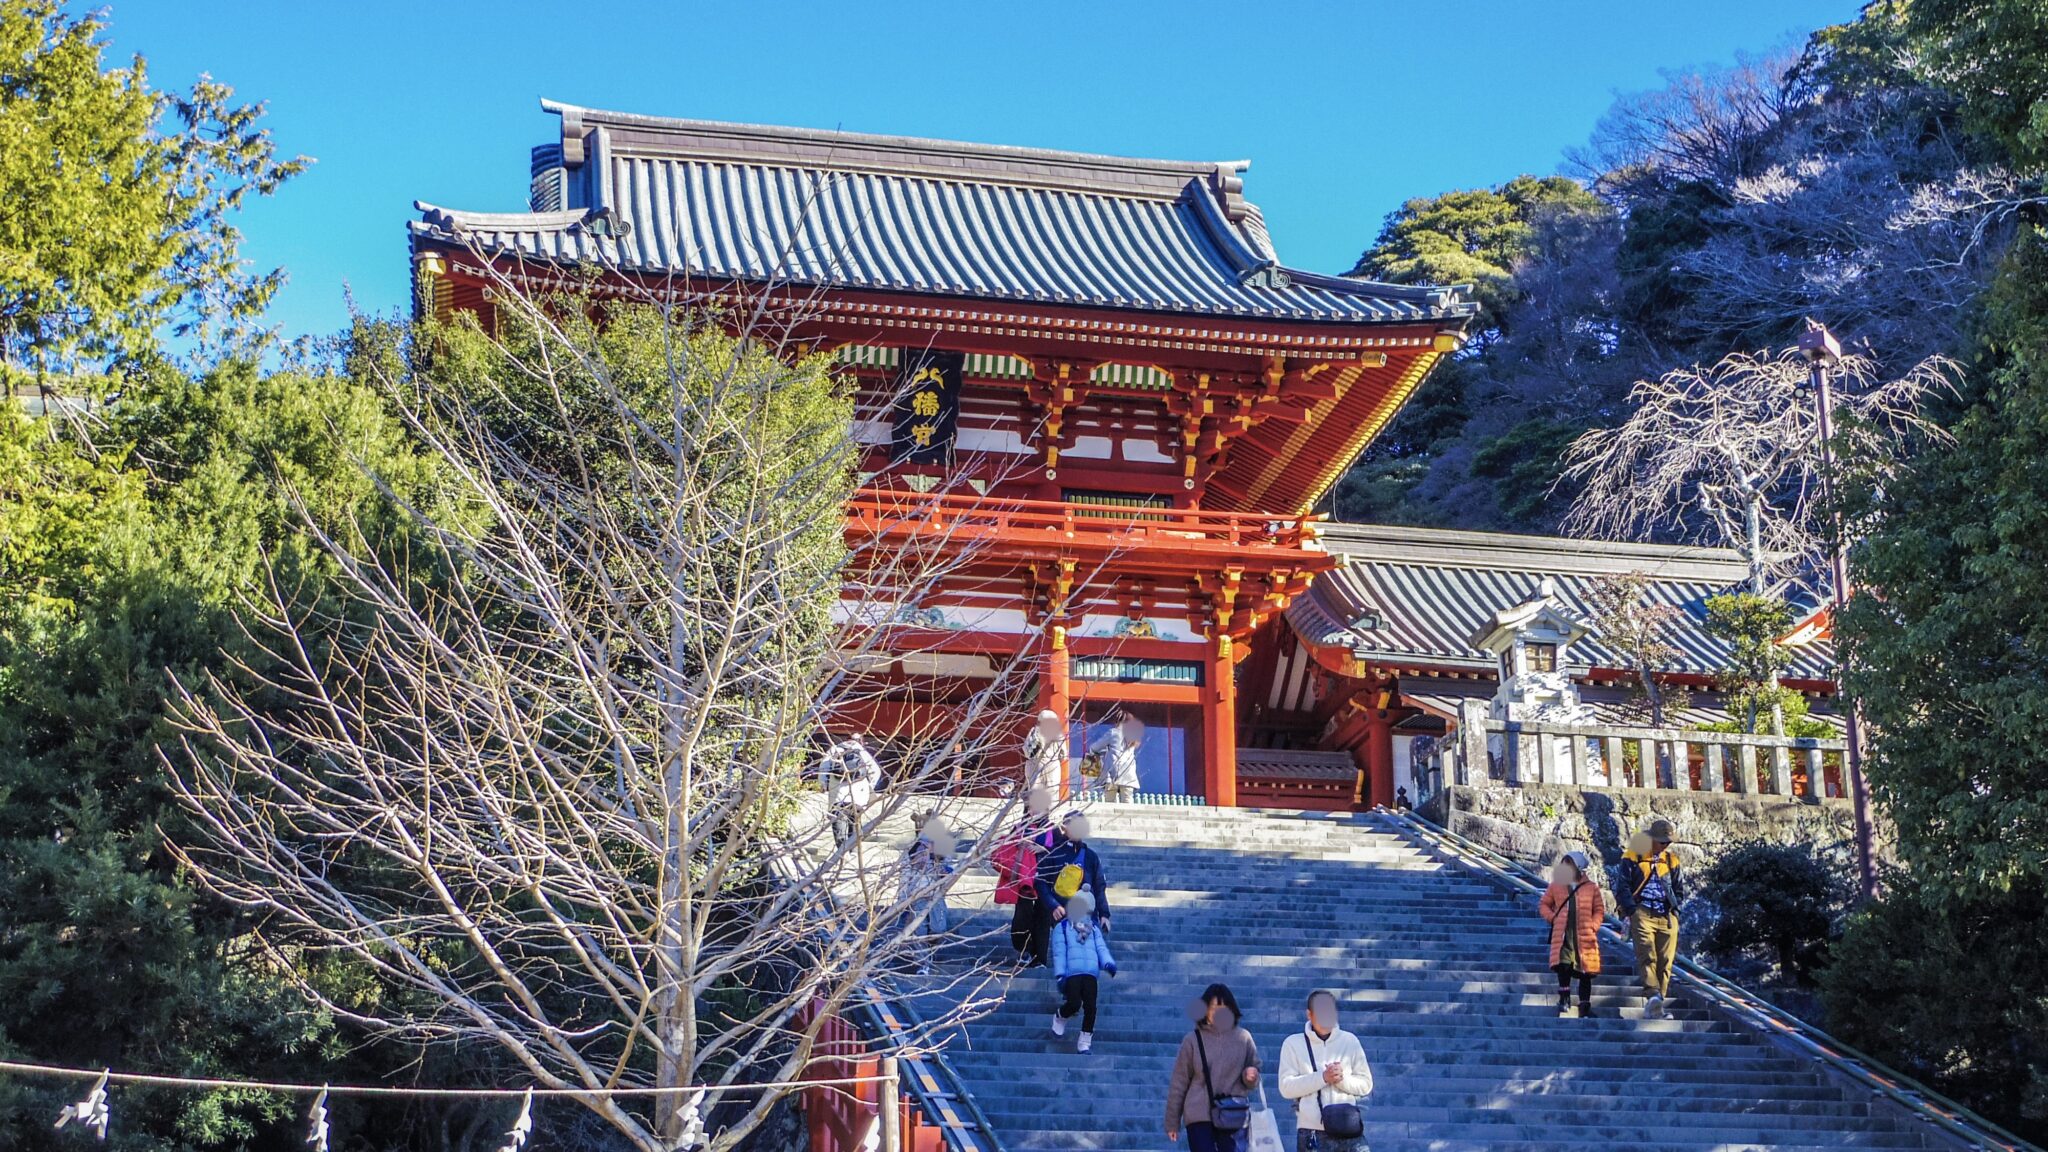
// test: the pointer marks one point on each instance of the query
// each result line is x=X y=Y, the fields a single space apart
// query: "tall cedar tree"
x=120 y=563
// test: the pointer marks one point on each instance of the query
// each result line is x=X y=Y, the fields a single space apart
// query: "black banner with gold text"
x=925 y=416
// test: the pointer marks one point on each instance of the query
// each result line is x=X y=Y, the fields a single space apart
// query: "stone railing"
x=1487 y=751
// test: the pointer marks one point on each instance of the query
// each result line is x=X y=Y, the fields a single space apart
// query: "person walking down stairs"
x=1324 y=1071
x=923 y=885
x=1650 y=891
x=1218 y=1064
x=1045 y=754
x=1068 y=866
x=1574 y=909
x=1080 y=958
x=1016 y=864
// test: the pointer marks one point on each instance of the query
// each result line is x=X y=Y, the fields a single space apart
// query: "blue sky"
x=1346 y=109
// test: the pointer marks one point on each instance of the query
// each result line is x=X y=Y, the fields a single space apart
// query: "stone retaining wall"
x=1537 y=823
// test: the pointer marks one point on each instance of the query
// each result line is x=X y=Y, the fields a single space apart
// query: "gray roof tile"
x=1434 y=590
x=720 y=202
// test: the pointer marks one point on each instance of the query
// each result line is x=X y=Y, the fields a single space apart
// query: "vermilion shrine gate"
x=1094 y=369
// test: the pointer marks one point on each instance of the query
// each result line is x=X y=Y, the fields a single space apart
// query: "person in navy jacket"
x=1073 y=850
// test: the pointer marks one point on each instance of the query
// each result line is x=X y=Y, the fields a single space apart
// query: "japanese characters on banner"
x=926 y=410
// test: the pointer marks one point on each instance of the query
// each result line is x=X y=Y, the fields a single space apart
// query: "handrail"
x=931 y=1070
x=1930 y=1105
x=933 y=1084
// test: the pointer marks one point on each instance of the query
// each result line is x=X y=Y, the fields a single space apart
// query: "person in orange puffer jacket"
x=1574 y=909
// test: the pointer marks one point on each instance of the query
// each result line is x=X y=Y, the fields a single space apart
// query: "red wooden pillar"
x=1379 y=747
x=1053 y=691
x=1219 y=726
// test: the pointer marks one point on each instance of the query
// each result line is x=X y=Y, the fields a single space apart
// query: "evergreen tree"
x=1751 y=625
x=121 y=561
x=1946 y=652
x=1947 y=974
x=1472 y=236
x=122 y=199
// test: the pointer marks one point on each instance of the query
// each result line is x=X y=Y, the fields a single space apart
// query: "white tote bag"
x=1265 y=1127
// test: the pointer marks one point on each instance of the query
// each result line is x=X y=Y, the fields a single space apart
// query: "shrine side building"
x=1098 y=370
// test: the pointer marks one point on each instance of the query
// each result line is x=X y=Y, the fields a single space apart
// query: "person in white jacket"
x=1045 y=755
x=1119 y=752
x=1322 y=1065
x=850 y=775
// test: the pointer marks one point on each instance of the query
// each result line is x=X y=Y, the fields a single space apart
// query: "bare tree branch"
x=1730 y=455
x=540 y=774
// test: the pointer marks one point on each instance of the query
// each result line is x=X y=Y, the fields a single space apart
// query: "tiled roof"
x=791 y=206
x=1433 y=590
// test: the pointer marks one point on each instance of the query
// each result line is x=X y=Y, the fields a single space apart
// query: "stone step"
x=1680 y=1140
x=1438 y=971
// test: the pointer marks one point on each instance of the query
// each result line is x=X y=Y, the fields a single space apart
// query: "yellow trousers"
x=1656 y=940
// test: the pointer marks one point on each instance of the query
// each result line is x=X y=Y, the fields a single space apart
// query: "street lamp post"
x=1822 y=350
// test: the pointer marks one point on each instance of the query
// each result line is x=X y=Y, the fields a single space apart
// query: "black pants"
x=1203 y=1137
x=1310 y=1140
x=1565 y=972
x=1080 y=992
x=1029 y=930
x=845 y=822
x=1041 y=930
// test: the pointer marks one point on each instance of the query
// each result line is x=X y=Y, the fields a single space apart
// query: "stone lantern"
x=1531 y=644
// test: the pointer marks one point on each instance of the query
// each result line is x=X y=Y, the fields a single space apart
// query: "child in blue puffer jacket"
x=1080 y=956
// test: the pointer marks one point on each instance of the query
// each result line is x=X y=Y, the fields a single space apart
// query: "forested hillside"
x=1886 y=179
x=1840 y=180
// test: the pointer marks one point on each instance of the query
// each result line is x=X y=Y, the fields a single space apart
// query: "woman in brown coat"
x=1216 y=1060
x=1574 y=908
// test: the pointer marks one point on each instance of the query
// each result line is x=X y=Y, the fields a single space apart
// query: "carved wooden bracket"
x=1054 y=388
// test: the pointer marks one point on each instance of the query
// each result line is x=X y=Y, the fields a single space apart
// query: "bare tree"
x=1730 y=454
x=1706 y=127
x=1862 y=215
x=1638 y=628
x=540 y=772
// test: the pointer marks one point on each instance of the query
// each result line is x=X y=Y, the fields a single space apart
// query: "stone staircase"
x=1439 y=972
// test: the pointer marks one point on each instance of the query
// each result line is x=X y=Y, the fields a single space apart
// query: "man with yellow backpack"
x=1071 y=865
x=1650 y=890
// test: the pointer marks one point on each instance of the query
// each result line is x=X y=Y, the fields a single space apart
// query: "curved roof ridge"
x=682 y=137
x=657 y=195
x=1466 y=548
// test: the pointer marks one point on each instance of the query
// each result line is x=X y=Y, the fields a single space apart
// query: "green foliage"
x=1782 y=901
x=765 y=443
x=1525 y=460
x=121 y=199
x=1751 y=625
x=1472 y=236
x=120 y=561
x=1994 y=55
x=1945 y=651
x=1655 y=286
x=1950 y=988
x=1869 y=56
x=1946 y=974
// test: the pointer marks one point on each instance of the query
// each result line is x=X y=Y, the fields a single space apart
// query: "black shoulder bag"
x=1340 y=1121
x=1226 y=1113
